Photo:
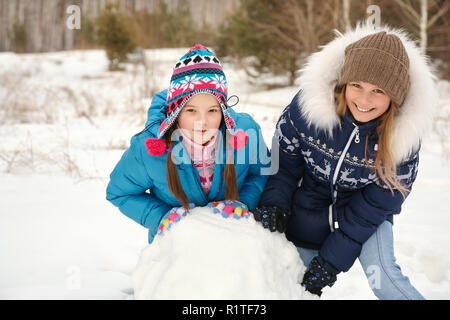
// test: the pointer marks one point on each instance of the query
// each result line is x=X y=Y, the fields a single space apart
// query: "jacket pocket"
x=309 y=225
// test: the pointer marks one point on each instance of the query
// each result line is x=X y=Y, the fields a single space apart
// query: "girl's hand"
x=173 y=216
x=316 y=277
x=272 y=217
x=230 y=208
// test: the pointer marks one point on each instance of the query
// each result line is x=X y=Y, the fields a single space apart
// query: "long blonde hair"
x=385 y=165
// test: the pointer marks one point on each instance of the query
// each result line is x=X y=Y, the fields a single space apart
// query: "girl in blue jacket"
x=194 y=150
x=348 y=156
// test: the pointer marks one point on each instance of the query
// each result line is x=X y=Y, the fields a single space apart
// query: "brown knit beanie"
x=379 y=59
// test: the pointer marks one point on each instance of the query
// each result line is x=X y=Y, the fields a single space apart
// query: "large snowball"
x=206 y=256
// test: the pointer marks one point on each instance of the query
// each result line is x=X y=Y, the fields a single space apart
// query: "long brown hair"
x=173 y=180
x=385 y=165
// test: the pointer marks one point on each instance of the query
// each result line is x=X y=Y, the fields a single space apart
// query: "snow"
x=205 y=256
x=65 y=122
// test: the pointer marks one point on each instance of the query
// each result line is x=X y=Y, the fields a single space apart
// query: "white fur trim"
x=322 y=72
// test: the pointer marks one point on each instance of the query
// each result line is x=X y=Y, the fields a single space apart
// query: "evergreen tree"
x=180 y=29
x=245 y=34
x=113 y=32
x=19 y=37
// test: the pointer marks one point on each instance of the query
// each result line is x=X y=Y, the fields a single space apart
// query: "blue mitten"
x=230 y=208
x=173 y=216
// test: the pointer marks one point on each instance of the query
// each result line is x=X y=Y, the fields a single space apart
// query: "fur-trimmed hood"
x=322 y=72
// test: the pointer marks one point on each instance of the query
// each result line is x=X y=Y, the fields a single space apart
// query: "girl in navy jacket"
x=348 y=156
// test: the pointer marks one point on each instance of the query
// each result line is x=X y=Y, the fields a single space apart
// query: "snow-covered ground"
x=64 y=123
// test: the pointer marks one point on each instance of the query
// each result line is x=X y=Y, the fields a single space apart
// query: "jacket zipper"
x=332 y=219
x=357 y=134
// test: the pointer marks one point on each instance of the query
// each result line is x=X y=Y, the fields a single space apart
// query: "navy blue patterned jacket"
x=325 y=179
x=331 y=189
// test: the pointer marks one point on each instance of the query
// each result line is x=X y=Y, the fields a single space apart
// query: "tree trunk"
x=423 y=25
x=346 y=11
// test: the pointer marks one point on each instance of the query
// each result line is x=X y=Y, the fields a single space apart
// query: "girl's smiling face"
x=366 y=101
x=200 y=118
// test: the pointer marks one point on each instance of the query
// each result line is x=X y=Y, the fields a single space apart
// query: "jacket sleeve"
x=360 y=218
x=257 y=176
x=287 y=157
x=157 y=108
x=127 y=188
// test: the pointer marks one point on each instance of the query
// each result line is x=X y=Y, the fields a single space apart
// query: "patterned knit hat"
x=198 y=71
x=379 y=59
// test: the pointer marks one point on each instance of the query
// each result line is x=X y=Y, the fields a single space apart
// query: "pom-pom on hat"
x=379 y=59
x=198 y=71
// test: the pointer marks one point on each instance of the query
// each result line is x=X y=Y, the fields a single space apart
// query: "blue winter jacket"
x=336 y=200
x=138 y=184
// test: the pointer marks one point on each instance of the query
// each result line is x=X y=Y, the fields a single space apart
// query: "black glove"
x=273 y=218
x=316 y=277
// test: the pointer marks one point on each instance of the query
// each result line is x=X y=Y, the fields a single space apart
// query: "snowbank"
x=205 y=256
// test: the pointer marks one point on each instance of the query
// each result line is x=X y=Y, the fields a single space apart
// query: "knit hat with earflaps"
x=198 y=71
x=379 y=59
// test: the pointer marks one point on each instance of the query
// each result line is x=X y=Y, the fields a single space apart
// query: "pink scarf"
x=203 y=158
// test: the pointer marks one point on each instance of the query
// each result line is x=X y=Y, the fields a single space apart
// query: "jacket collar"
x=363 y=127
x=322 y=72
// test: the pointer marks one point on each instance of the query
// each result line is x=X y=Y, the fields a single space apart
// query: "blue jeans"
x=378 y=262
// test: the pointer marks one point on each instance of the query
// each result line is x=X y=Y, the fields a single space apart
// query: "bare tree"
x=301 y=24
x=346 y=12
x=420 y=19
